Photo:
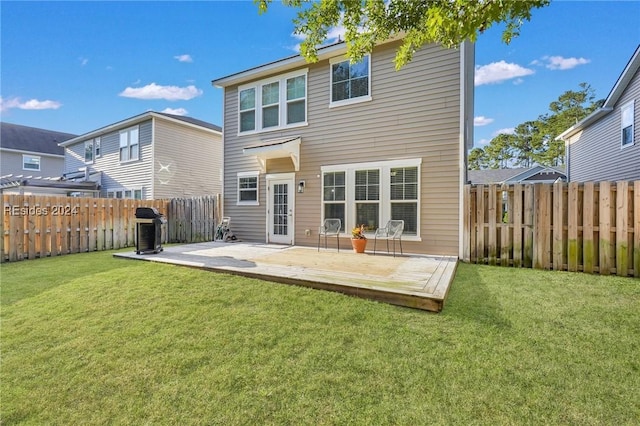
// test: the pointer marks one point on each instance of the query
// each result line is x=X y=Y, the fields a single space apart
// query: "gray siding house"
x=357 y=141
x=149 y=156
x=605 y=146
x=29 y=151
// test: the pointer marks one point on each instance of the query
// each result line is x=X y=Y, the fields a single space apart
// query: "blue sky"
x=78 y=66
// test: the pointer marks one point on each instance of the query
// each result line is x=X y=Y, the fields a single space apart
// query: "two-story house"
x=605 y=145
x=361 y=142
x=149 y=156
x=29 y=151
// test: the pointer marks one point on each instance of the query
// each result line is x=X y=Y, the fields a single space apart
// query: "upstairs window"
x=30 y=162
x=273 y=104
x=350 y=81
x=97 y=147
x=88 y=151
x=627 y=111
x=129 y=144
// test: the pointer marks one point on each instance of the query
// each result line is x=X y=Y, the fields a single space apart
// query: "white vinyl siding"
x=273 y=104
x=627 y=124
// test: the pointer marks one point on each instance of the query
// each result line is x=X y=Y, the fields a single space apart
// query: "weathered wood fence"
x=39 y=226
x=590 y=227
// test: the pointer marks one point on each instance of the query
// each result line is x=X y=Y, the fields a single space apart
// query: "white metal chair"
x=330 y=227
x=392 y=231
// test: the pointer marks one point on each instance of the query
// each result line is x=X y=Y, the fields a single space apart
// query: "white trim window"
x=31 y=162
x=370 y=194
x=89 y=151
x=97 y=147
x=130 y=194
x=130 y=144
x=350 y=81
x=248 y=188
x=273 y=104
x=627 y=124
x=334 y=196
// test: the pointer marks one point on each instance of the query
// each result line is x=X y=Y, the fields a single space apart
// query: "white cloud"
x=169 y=93
x=497 y=72
x=184 y=58
x=31 y=104
x=482 y=120
x=561 y=63
x=83 y=61
x=175 y=111
x=505 y=131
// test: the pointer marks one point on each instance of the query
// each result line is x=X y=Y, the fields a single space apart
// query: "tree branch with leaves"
x=418 y=22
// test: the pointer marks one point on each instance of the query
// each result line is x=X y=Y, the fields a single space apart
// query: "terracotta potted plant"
x=358 y=239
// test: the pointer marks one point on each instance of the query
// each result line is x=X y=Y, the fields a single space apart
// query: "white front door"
x=280 y=210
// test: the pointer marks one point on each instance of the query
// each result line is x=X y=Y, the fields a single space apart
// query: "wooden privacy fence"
x=590 y=227
x=39 y=226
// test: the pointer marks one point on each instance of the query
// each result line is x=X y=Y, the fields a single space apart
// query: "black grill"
x=149 y=230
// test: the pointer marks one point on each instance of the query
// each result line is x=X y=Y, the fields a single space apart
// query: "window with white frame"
x=371 y=194
x=627 y=111
x=248 y=188
x=132 y=194
x=350 y=81
x=274 y=103
x=96 y=143
x=88 y=151
x=367 y=198
x=334 y=196
x=30 y=162
x=129 y=144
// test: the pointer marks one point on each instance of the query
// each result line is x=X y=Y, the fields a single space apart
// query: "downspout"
x=467 y=63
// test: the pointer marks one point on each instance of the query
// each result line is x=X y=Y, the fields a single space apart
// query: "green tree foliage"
x=534 y=142
x=367 y=22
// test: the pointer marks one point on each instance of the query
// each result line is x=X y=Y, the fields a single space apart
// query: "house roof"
x=282 y=65
x=193 y=122
x=31 y=139
x=513 y=175
x=14 y=181
x=621 y=84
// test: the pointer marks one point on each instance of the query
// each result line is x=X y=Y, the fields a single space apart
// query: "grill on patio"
x=149 y=230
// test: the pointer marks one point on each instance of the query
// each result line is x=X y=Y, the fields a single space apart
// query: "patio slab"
x=412 y=280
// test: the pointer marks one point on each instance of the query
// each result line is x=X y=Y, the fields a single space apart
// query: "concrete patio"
x=411 y=280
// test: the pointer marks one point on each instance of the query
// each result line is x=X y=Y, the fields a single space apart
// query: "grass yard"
x=89 y=339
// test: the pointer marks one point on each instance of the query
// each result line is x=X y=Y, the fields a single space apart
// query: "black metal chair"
x=392 y=231
x=330 y=227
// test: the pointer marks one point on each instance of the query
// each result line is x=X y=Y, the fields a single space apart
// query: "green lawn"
x=89 y=339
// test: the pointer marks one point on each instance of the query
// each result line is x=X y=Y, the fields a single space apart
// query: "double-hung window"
x=129 y=144
x=371 y=194
x=350 y=81
x=334 y=196
x=627 y=111
x=88 y=151
x=30 y=162
x=248 y=188
x=367 y=198
x=272 y=104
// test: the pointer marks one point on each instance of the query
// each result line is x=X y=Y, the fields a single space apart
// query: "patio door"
x=280 y=209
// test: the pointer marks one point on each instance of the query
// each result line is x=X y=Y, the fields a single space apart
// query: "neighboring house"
x=33 y=163
x=149 y=156
x=605 y=146
x=536 y=174
x=28 y=151
x=361 y=142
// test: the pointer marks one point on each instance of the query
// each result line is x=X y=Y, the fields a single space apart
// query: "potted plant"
x=358 y=239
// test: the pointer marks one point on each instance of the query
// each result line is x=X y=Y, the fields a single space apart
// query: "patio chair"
x=330 y=227
x=392 y=231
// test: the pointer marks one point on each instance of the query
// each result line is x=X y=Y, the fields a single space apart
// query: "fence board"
x=636 y=229
x=605 y=226
x=622 y=231
x=480 y=221
x=517 y=225
x=558 y=226
x=589 y=252
x=572 y=227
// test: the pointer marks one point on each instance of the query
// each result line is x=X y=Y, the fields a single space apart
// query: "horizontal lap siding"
x=11 y=163
x=187 y=161
x=415 y=113
x=596 y=154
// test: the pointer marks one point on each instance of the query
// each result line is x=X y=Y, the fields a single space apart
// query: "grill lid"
x=147 y=213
